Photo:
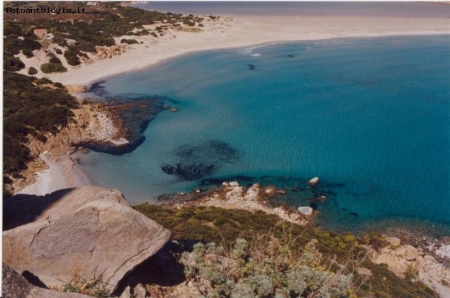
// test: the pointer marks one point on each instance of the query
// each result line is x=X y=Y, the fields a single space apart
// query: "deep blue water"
x=370 y=117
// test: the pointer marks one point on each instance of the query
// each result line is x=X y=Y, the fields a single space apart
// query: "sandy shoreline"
x=61 y=173
x=244 y=31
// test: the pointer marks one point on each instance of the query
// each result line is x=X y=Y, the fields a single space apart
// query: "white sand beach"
x=61 y=174
x=243 y=31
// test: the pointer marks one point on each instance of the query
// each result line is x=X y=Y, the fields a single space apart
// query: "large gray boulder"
x=15 y=286
x=73 y=233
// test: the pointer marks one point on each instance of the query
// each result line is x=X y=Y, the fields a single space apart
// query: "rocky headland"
x=92 y=123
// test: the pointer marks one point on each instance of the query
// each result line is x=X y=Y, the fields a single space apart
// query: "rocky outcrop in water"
x=254 y=198
x=314 y=181
x=75 y=232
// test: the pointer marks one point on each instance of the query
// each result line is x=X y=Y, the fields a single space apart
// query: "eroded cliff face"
x=92 y=123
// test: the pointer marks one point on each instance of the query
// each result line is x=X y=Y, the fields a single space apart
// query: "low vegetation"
x=31 y=107
x=92 y=285
x=79 y=33
x=129 y=41
x=223 y=227
x=266 y=267
x=32 y=71
x=52 y=68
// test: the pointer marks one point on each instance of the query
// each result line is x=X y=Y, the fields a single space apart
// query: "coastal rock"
x=104 y=52
x=252 y=192
x=391 y=262
x=401 y=259
x=433 y=274
x=393 y=241
x=306 y=210
x=140 y=291
x=75 y=232
x=314 y=181
x=443 y=251
x=16 y=286
x=294 y=216
x=234 y=196
x=233 y=191
x=270 y=191
x=408 y=252
x=411 y=253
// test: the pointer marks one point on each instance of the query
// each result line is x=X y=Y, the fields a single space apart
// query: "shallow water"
x=370 y=117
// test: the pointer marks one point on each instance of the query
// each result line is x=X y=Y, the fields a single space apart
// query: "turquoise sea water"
x=370 y=117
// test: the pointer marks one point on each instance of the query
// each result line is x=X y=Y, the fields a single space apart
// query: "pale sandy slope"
x=242 y=31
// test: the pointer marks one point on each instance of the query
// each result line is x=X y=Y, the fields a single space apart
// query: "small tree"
x=28 y=53
x=55 y=60
x=32 y=71
x=52 y=67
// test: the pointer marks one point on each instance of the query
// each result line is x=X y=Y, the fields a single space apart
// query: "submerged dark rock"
x=210 y=150
x=199 y=161
x=313 y=205
x=219 y=181
x=188 y=171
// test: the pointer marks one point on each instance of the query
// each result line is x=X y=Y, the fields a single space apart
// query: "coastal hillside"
x=53 y=42
x=192 y=178
x=39 y=44
x=33 y=108
x=203 y=247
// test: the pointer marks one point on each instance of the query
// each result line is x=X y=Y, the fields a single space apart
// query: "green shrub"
x=28 y=53
x=58 y=51
x=12 y=63
x=86 y=46
x=42 y=81
x=71 y=55
x=349 y=238
x=32 y=71
x=52 y=67
x=184 y=213
x=129 y=41
x=55 y=60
